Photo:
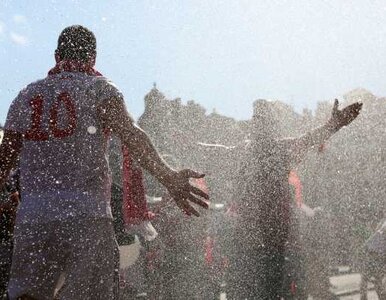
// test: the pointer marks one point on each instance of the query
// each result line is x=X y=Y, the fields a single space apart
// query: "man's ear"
x=57 y=56
x=92 y=60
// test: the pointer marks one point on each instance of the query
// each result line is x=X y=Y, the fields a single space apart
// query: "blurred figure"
x=294 y=267
x=9 y=201
x=316 y=245
x=264 y=200
x=372 y=262
x=178 y=268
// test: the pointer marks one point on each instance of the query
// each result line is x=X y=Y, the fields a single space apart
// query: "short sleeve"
x=18 y=114
x=105 y=89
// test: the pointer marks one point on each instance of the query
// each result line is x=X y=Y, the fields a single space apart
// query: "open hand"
x=345 y=116
x=184 y=193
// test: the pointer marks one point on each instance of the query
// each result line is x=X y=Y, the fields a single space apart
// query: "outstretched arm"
x=339 y=118
x=214 y=146
x=223 y=149
x=10 y=149
x=115 y=118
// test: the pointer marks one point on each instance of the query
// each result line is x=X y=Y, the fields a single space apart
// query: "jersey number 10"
x=36 y=133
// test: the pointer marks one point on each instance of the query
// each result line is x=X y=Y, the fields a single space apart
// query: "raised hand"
x=341 y=118
x=184 y=193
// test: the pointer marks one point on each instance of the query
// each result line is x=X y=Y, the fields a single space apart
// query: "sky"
x=222 y=54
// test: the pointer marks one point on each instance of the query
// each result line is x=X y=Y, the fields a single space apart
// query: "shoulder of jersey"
x=31 y=86
x=104 y=84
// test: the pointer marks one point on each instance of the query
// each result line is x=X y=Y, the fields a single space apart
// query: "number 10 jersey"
x=64 y=168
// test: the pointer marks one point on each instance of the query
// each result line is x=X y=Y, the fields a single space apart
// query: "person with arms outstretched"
x=262 y=199
x=59 y=129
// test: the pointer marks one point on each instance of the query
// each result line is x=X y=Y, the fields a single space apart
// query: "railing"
x=347 y=282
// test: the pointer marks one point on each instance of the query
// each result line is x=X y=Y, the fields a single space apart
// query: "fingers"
x=183 y=208
x=199 y=192
x=184 y=193
x=356 y=109
x=184 y=205
x=353 y=109
x=193 y=211
x=191 y=174
x=198 y=201
x=349 y=114
x=183 y=200
x=356 y=106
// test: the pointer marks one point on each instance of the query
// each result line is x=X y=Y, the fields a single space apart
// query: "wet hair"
x=76 y=43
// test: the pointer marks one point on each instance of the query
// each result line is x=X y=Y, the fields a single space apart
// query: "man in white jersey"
x=59 y=128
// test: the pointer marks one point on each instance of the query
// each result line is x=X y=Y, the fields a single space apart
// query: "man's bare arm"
x=10 y=149
x=115 y=118
x=299 y=146
x=120 y=123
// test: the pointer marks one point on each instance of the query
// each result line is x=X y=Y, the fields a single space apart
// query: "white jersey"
x=64 y=169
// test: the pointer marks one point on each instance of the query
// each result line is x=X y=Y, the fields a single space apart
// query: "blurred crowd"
x=340 y=185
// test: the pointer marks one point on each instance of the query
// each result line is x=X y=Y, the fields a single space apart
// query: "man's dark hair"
x=76 y=43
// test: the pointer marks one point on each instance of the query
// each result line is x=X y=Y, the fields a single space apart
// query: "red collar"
x=73 y=66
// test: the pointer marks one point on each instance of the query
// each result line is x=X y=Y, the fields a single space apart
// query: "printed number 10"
x=36 y=133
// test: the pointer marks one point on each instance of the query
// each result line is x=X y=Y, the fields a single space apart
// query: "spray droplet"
x=91 y=130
